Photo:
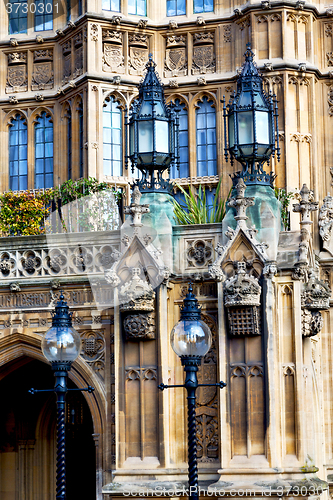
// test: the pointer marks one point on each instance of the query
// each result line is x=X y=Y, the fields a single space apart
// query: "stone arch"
x=9 y=117
x=199 y=98
x=118 y=97
x=66 y=109
x=38 y=111
x=183 y=99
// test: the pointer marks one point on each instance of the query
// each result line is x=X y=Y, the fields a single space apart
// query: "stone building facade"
x=67 y=80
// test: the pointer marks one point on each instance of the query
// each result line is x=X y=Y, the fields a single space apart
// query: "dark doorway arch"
x=27 y=436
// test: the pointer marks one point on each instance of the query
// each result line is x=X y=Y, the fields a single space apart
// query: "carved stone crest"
x=175 y=62
x=42 y=77
x=17 y=72
x=113 y=59
x=137 y=60
x=326 y=223
x=316 y=293
x=139 y=327
x=242 y=289
x=203 y=59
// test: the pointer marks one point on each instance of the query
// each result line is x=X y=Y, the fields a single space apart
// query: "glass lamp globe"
x=191 y=338
x=61 y=343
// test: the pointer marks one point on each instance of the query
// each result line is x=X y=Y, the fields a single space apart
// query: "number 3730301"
x=33 y=7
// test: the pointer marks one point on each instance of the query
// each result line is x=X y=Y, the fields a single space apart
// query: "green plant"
x=23 y=213
x=284 y=198
x=195 y=209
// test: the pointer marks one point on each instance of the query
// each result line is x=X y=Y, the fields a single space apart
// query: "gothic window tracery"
x=206 y=138
x=18 y=154
x=176 y=7
x=137 y=7
x=200 y=6
x=43 y=15
x=43 y=151
x=17 y=16
x=112 y=5
x=183 y=143
x=112 y=138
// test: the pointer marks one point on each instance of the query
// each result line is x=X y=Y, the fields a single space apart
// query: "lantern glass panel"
x=262 y=127
x=162 y=136
x=245 y=127
x=245 y=99
x=131 y=137
x=231 y=124
x=146 y=109
x=258 y=100
x=159 y=110
x=145 y=129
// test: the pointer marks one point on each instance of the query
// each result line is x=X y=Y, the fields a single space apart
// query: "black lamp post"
x=153 y=137
x=191 y=339
x=250 y=125
x=61 y=346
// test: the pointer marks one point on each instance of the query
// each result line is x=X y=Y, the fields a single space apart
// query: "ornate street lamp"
x=191 y=339
x=153 y=133
x=61 y=345
x=251 y=124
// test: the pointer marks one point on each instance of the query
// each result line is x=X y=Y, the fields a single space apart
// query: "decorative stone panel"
x=93 y=350
x=67 y=61
x=199 y=252
x=175 y=63
x=78 y=54
x=138 y=53
x=42 y=75
x=203 y=58
x=17 y=80
x=113 y=58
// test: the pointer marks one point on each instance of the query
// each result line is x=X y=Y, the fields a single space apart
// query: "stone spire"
x=135 y=209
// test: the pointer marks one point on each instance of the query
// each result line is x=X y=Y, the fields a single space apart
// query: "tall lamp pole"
x=61 y=346
x=191 y=339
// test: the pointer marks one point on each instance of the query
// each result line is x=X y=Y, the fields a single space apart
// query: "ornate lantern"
x=153 y=137
x=250 y=124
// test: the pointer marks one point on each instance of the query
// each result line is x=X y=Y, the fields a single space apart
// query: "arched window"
x=17 y=16
x=206 y=138
x=112 y=140
x=113 y=5
x=203 y=6
x=176 y=7
x=69 y=144
x=43 y=152
x=183 y=144
x=81 y=146
x=137 y=7
x=18 y=154
x=43 y=15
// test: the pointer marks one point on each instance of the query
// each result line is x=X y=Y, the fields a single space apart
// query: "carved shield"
x=113 y=56
x=138 y=58
x=175 y=59
x=203 y=56
x=17 y=76
x=42 y=73
x=206 y=375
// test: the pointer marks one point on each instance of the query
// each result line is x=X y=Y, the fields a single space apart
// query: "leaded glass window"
x=206 y=138
x=183 y=144
x=69 y=144
x=43 y=152
x=17 y=16
x=113 y=5
x=18 y=154
x=112 y=140
x=43 y=15
x=203 y=6
x=137 y=7
x=176 y=7
x=81 y=145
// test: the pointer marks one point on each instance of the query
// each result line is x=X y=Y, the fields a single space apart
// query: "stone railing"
x=57 y=255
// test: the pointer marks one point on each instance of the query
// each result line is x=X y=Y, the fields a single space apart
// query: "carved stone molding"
x=17 y=72
x=316 y=293
x=175 y=63
x=330 y=100
x=312 y=323
x=326 y=223
x=203 y=57
x=138 y=53
x=139 y=327
x=227 y=36
x=199 y=252
x=93 y=350
x=42 y=76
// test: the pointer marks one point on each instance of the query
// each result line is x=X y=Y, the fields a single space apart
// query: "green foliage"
x=24 y=212
x=195 y=209
x=284 y=197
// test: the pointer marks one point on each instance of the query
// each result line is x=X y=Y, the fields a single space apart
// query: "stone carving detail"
x=330 y=100
x=199 y=253
x=306 y=205
x=139 y=327
x=203 y=58
x=207 y=402
x=138 y=53
x=175 y=56
x=94 y=32
x=329 y=29
x=113 y=59
x=329 y=58
x=316 y=293
x=67 y=61
x=326 y=223
x=243 y=22
x=227 y=33
x=17 y=72
x=93 y=350
x=78 y=54
x=42 y=76
x=242 y=300
x=312 y=323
